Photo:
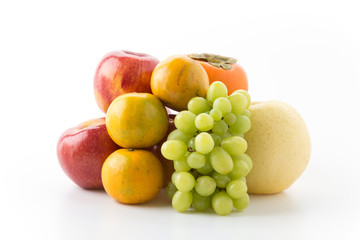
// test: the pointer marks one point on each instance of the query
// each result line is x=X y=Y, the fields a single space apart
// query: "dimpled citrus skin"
x=132 y=176
x=137 y=120
x=279 y=146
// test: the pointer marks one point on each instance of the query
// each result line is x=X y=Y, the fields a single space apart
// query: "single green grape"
x=196 y=160
x=198 y=105
x=246 y=94
x=205 y=185
x=207 y=168
x=185 y=121
x=246 y=113
x=236 y=188
x=221 y=161
x=204 y=122
x=230 y=118
x=223 y=104
x=220 y=127
x=240 y=170
x=221 y=180
x=177 y=134
x=184 y=181
x=222 y=203
x=241 y=125
x=200 y=203
x=234 y=145
x=181 y=165
x=181 y=201
x=173 y=149
x=241 y=203
x=170 y=190
x=216 y=138
x=216 y=89
x=191 y=144
x=216 y=114
x=246 y=158
x=238 y=102
x=204 y=143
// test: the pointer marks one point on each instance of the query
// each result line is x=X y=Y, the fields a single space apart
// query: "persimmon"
x=132 y=176
x=223 y=69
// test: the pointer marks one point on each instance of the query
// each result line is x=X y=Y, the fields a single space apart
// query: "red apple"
x=122 y=72
x=82 y=151
x=168 y=165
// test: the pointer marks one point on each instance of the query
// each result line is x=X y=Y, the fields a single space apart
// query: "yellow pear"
x=279 y=146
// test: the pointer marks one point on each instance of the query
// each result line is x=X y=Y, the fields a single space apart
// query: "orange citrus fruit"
x=132 y=176
x=137 y=120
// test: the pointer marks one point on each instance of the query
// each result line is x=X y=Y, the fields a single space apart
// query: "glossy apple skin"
x=168 y=165
x=122 y=72
x=82 y=150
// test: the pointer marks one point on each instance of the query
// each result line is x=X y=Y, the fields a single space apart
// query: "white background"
x=306 y=53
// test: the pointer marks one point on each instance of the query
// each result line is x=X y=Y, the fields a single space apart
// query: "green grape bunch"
x=209 y=152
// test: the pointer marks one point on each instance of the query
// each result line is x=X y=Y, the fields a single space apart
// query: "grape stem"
x=190 y=149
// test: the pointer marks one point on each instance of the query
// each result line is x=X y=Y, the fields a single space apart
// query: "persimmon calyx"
x=215 y=60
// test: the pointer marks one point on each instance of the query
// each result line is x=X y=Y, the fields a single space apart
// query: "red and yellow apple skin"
x=122 y=72
x=82 y=151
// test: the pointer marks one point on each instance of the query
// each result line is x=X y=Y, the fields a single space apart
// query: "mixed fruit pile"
x=183 y=124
